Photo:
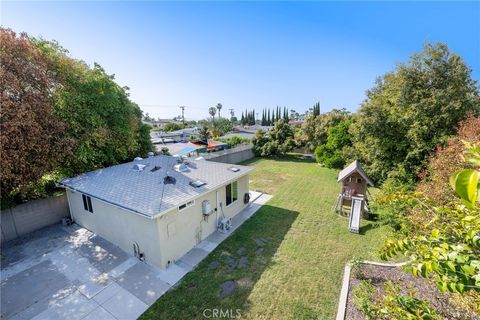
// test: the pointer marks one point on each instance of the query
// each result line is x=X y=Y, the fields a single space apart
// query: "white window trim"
x=234 y=201
x=188 y=204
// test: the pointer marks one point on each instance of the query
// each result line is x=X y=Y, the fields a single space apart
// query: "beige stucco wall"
x=179 y=231
x=163 y=239
x=118 y=226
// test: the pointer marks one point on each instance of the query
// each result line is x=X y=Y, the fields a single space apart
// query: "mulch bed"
x=425 y=290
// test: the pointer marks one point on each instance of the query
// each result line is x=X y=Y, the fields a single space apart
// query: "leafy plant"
x=450 y=251
x=392 y=304
x=404 y=306
x=362 y=298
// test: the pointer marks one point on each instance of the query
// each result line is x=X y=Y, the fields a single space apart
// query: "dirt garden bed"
x=424 y=290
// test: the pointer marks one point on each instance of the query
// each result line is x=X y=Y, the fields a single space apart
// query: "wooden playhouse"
x=352 y=199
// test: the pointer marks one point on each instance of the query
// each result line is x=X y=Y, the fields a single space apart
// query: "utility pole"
x=183 y=114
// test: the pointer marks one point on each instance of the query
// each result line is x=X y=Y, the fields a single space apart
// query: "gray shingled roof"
x=144 y=191
x=354 y=167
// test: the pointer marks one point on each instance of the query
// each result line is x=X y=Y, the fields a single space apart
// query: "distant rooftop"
x=140 y=186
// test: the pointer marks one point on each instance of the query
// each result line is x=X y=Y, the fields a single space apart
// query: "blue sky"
x=248 y=54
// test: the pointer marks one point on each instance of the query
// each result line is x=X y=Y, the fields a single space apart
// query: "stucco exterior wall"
x=179 y=231
x=166 y=238
x=118 y=226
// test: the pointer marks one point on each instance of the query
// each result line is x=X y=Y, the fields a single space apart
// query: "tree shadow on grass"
x=238 y=263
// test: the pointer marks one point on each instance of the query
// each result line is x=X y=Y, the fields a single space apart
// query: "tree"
x=337 y=149
x=219 y=107
x=411 y=110
x=104 y=123
x=172 y=126
x=212 y=111
x=448 y=248
x=446 y=161
x=276 y=142
x=316 y=109
x=314 y=130
x=33 y=139
x=203 y=133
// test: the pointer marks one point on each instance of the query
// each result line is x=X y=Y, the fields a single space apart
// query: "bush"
x=393 y=304
x=276 y=142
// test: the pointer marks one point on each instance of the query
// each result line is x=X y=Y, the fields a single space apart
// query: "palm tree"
x=219 y=107
x=212 y=112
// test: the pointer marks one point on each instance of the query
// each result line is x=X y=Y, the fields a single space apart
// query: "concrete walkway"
x=69 y=273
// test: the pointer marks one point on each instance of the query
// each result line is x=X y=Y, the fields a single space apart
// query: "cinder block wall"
x=234 y=157
x=31 y=216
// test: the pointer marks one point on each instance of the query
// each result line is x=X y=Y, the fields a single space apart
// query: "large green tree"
x=411 y=110
x=337 y=149
x=276 y=142
x=33 y=140
x=103 y=122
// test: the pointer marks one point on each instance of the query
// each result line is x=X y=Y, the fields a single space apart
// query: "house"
x=210 y=145
x=297 y=120
x=160 y=207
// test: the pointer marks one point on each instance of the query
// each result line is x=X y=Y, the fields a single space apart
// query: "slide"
x=355 y=213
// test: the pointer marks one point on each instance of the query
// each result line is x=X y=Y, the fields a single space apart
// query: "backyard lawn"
x=296 y=247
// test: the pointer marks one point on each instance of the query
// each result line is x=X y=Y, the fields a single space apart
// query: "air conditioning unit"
x=206 y=208
x=225 y=225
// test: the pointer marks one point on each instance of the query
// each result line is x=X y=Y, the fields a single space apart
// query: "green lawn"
x=298 y=273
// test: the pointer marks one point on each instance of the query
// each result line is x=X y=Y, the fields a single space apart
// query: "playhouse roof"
x=354 y=167
x=154 y=185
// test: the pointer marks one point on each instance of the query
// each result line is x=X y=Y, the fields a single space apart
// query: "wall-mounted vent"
x=181 y=167
x=234 y=169
x=197 y=183
x=138 y=167
x=169 y=180
x=155 y=168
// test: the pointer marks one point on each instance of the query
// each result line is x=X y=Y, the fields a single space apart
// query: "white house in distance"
x=160 y=207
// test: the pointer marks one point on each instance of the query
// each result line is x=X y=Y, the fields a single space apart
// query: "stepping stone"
x=232 y=263
x=258 y=252
x=227 y=288
x=260 y=242
x=243 y=262
x=241 y=250
x=213 y=265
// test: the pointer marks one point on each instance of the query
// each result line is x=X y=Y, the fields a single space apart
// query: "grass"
x=298 y=273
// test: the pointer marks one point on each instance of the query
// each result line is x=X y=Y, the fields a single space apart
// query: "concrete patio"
x=69 y=273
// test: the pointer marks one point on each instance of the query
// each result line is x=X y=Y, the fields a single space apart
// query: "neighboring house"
x=182 y=135
x=158 y=208
x=298 y=120
x=210 y=145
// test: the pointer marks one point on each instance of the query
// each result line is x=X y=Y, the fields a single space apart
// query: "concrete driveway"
x=69 y=273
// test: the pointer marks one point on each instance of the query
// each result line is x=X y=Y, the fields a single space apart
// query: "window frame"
x=87 y=203
x=233 y=199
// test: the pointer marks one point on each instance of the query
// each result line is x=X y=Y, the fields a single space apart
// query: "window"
x=87 y=203
x=231 y=193
x=186 y=205
x=359 y=180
